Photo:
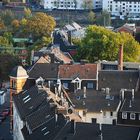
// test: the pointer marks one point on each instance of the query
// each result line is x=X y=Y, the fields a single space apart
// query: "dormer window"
x=124 y=115
x=40 y=82
x=132 y=116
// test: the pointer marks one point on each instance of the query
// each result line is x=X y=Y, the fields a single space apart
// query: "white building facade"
x=17 y=125
x=129 y=8
x=72 y=4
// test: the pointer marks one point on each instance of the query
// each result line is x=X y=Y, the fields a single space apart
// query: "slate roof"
x=116 y=80
x=126 y=65
x=44 y=70
x=95 y=101
x=116 y=132
x=131 y=106
x=48 y=130
x=90 y=131
x=29 y=100
x=40 y=116
x=82 y=71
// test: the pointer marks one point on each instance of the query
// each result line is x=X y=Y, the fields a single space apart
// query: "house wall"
x=17 y=125
x=129 y=121
x=99 y=116
x=84 y=83
x=17 y=84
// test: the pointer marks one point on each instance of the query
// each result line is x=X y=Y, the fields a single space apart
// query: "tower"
x=120 y=59
x=18 y=78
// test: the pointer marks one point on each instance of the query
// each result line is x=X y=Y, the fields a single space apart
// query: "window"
x=124 y=115
x=13 y=84
x=89 y=85
x=104 y=114
x=111 y=114
x=65 y=85
x=132 y=116
x=84 y=113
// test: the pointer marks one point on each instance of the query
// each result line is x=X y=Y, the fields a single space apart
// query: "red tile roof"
x=85 y=71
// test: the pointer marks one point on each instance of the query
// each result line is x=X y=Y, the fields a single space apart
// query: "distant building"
x=72 y=4
x=122 y=7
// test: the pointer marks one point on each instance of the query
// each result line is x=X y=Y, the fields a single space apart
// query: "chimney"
x=120 y=58
x=107 y=93
x=130 y=103
x=73 y=127
x=122 y=92
x=133 y=95
x=85 y=90
x=69 y=37
x=52 y=56
x=100 y=132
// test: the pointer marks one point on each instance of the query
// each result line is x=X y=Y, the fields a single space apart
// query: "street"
x=5 y=125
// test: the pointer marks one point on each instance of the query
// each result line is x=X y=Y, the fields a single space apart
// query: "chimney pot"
x=120 y=58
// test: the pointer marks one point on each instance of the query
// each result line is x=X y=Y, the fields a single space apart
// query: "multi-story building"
x=122 y=7
x=72 y=4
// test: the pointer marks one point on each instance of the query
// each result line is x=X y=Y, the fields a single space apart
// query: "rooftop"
x=82 y=71
x=94 y=101
x=117 y=80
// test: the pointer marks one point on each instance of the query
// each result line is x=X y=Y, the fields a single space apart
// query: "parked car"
x=6 y=112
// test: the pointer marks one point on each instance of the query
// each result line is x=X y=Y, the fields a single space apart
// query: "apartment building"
x=72 y=4
x=130 y=8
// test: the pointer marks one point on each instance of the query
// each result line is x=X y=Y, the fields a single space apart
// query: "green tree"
x=7 y=16
x=88 y=4
x=2 y=26
x=7 y=63
x=103 y=44
x=104 y=19
x=27 y=13
x=91 y=17
x=4 y=42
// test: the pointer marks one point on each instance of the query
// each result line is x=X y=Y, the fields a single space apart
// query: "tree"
x=7 y=63
x=2 y=26
x=88 y=4
x=104 y=19
x=15 y=23
x=103 y=44
x=4 y=42
x=91 y=17
x=40 y=25
x=27 y=13
x=7 y=16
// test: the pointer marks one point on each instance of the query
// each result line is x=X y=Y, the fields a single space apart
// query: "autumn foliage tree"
x=103 y=44
x=40 y=25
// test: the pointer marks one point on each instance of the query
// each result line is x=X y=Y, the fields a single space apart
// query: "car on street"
x=6 y=112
